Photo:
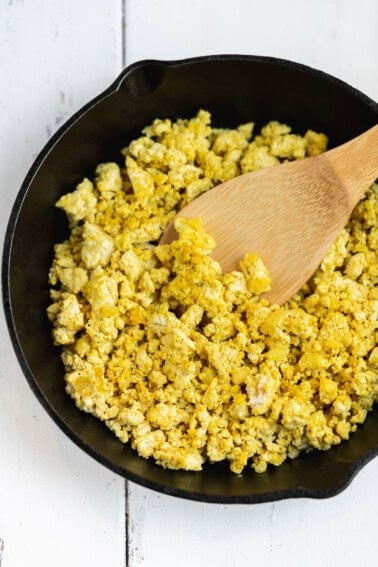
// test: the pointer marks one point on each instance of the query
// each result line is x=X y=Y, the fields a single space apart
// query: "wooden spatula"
x=289 y=214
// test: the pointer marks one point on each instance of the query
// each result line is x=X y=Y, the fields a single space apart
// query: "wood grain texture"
x=340 y=532
x=289 y=215
x=337 y=36
x=57 y=506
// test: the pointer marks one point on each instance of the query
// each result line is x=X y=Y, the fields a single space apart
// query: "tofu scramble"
x=188 y=364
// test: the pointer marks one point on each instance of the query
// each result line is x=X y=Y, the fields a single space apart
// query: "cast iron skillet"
x=235 y=89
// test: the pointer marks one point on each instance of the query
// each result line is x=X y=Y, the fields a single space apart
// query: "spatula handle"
x=356 y=163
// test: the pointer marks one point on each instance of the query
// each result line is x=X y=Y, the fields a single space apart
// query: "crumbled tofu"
x=188 y=364
x=316 y=143
x=355 y=265
x=108 y=179
x=97 y=246
x=141 y=180
x=80 y=204
x=68 y=318
x=73 y=279
x=255 y=273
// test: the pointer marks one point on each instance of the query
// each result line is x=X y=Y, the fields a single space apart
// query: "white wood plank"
x=57 y=505
x=339 y=532
x=337 y=36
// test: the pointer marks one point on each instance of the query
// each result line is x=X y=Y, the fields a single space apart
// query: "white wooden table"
x=58 y=507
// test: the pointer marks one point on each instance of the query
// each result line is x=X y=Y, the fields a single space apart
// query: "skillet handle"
x=141 y=78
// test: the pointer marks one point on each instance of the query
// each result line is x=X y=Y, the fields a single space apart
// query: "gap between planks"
x=127 y=503
x=123 y=32
x=127 y=525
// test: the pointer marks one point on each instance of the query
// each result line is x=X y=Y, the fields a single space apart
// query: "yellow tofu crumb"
x=80 y=204
x=256 y=275
x=188 y=364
